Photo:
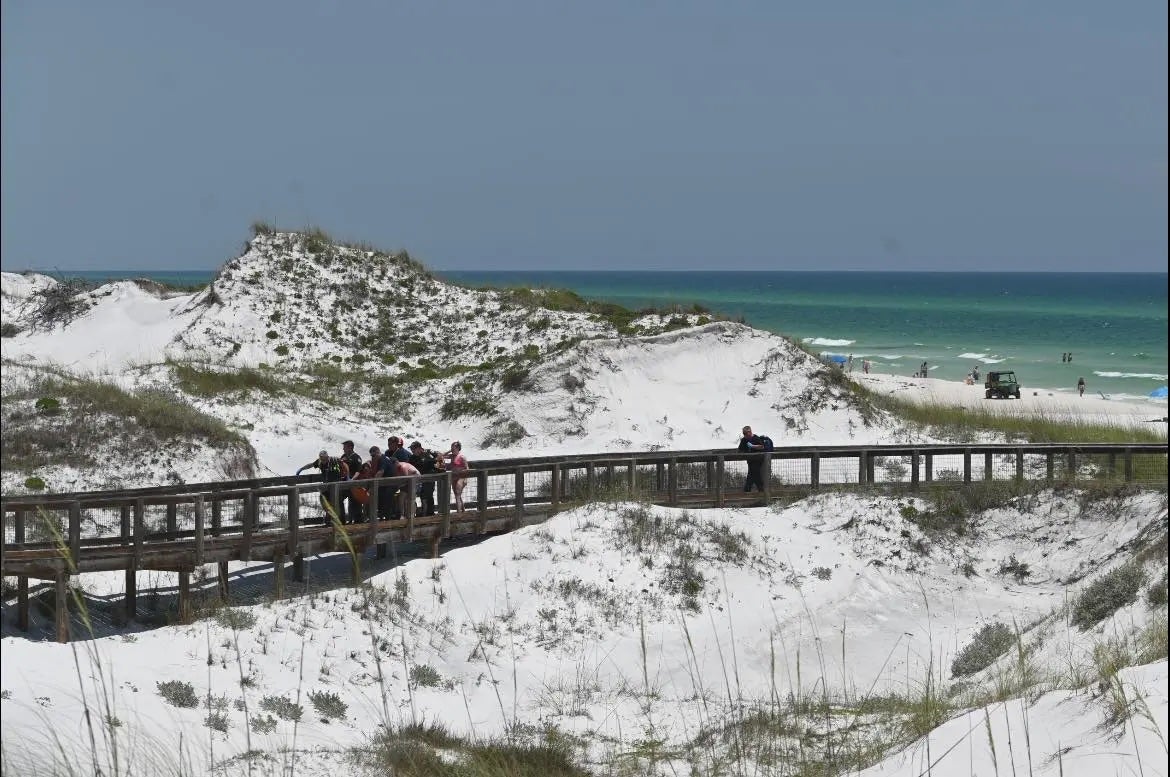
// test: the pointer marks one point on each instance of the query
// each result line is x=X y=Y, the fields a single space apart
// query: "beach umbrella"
x=1159 y=393
x=837 y=358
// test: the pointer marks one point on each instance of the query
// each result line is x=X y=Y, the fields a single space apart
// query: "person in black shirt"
x=333 y=470
x=353 y=462
x=751 y=443
x=427 y=462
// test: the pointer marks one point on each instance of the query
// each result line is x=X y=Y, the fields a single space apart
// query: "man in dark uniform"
x=332 y=469
x=353 y=462
x=426 y=461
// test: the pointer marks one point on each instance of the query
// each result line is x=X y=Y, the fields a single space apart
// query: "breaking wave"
x=826 y=341
x=986 y=358
x=1150 y=375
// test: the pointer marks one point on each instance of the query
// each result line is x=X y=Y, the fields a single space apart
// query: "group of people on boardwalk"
x=396 y=461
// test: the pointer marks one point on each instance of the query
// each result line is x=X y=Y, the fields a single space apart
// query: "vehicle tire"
x=1017 y=393
x=988 y=395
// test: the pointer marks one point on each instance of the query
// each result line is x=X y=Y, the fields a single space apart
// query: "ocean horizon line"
x=681 y=271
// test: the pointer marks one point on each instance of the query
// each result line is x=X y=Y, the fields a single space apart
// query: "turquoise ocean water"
x=1114 y=324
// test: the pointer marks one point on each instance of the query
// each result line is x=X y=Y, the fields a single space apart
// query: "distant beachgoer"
x=458 y=467
x=849 y=363
x=865 y=366
x=754 y=443
x=1070 y=357
x=1063 y=357
x=922 y=370
x=975 y=373
x=1081 y=386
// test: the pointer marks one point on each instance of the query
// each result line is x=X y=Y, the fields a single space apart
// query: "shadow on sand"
x=158 y=593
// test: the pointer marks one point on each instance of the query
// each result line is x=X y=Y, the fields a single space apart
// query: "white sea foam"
x=826 y=341
x=986 y=358
x=1150 y=375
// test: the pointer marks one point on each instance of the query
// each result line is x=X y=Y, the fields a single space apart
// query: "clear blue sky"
x=640 y=135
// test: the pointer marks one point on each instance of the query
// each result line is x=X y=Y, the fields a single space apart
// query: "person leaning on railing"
x=333 y=470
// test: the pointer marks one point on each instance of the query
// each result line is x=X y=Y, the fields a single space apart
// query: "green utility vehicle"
x=1001 y=385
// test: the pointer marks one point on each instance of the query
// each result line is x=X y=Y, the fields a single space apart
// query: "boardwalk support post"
x=720 y=468
x=61 y=612
x=966 y=465
x=278 y=572
x=199 y=530
x=672 y=483
x=1019 y=465
x=914 y=475
x=554 y=489
x=184 y=595
x=74 y=536
x=988 y=466
x=766 y=474
x=814 y=472
x=21 y=580
x=518 y=519
x=481 y=493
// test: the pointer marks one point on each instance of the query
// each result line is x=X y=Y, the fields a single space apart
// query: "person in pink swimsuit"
x=457 y=465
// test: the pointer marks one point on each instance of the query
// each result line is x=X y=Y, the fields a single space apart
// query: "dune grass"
x=75 y=416
x=968 y=424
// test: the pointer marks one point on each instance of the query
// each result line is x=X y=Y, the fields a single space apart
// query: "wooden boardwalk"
x=54 y=537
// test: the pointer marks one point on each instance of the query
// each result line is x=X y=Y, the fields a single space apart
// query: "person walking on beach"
x=1081 y=386
x=865 y=366
x=754 y=443
x=922 y=370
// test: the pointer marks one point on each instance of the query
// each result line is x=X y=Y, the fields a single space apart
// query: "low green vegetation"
x=989 y=643
x=1107 y=594
x=430 y=750
x=74 y=417
x=178 y=694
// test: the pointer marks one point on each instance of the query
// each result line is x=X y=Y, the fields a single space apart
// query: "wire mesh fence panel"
x=101 y=522
x=537 y=485
x=576 y=484
x=44 y=525
x=734 y=475
x=946 y=467
x=892 y=470
x=1149 y=469
x=1003 y=466
x=791 y=472
x=691 y=476
x=184 y=523
x=272 y=512
x=838 y=470
x=231 y=515
x=500 y=489
x=1035 y=466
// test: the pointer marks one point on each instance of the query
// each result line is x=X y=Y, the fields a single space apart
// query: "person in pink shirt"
x=457 y=464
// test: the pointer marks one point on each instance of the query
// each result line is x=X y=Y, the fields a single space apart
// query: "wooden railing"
x=182 y=527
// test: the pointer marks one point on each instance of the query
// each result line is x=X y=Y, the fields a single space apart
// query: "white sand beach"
x=1038 y=402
